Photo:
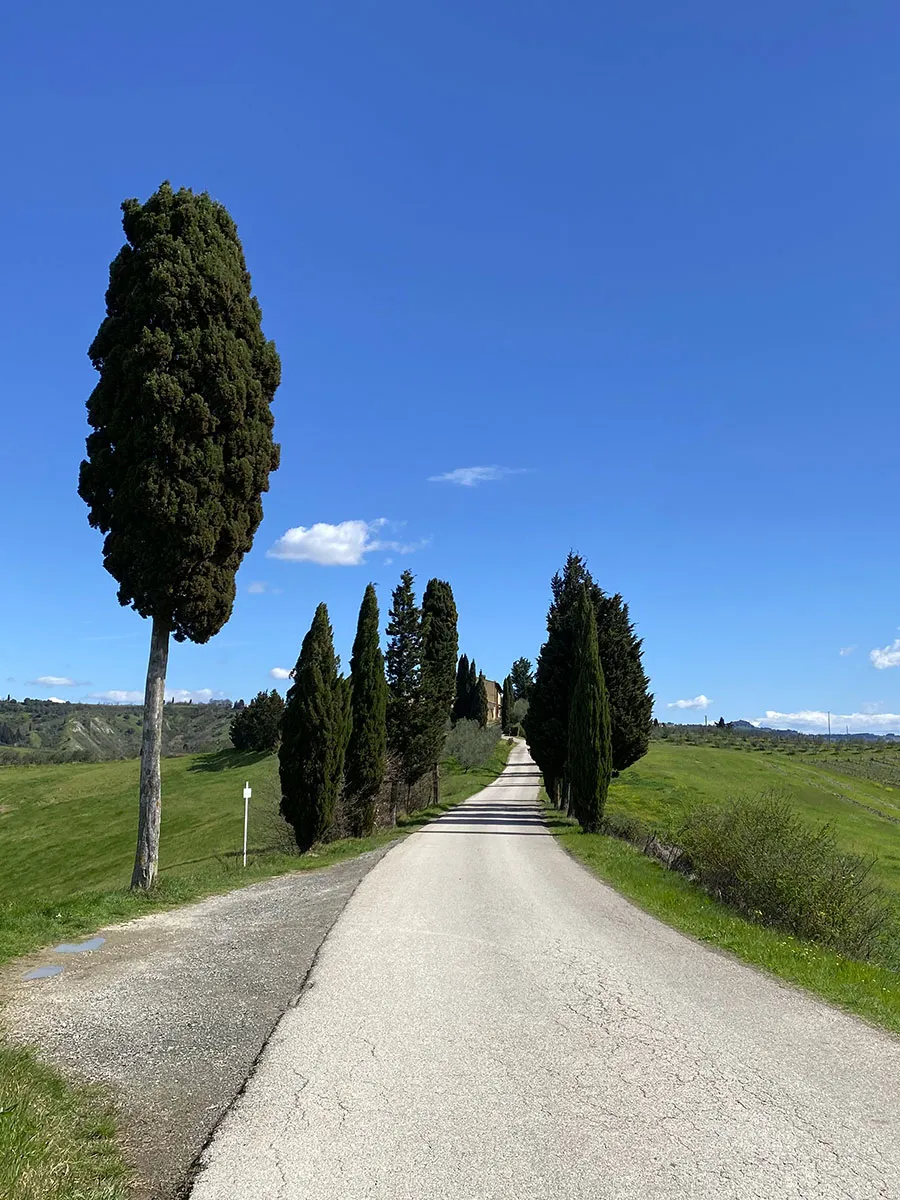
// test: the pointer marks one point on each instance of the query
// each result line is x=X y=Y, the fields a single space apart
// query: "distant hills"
x=747 y=728
x=42 y=731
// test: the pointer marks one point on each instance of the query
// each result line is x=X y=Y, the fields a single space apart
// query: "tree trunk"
x=436 y=784
x=147 y=856
x=395 y=799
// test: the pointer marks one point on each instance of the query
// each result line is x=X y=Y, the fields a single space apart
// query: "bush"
x=257 y=727
x=470 y=744
x=755 y=854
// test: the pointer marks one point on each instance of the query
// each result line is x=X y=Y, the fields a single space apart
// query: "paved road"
x=174 y=1009
x=486 y=1020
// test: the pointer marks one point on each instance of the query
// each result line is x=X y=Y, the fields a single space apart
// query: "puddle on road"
x=43 y=973
x=79 y=947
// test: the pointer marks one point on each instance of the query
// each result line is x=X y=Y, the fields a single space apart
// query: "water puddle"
x=43 y=973
x=79 y=947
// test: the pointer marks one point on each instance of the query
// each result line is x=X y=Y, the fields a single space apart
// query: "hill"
x=36 y=731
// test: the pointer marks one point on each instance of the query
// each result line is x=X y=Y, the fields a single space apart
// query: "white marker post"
x=248 y=791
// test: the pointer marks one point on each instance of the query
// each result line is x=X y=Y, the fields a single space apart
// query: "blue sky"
x=639 y=260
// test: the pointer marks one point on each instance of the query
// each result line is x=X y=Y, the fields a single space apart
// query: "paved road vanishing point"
x=487 y=1020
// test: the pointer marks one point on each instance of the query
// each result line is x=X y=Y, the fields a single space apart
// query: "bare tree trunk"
x=395 y=800
x=147 y=856
x=435 y=784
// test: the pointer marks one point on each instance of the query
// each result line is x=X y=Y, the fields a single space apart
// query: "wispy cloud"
x=54 y=681
x=814 y=721
x=887 y=656
x=698 y=702
x=343 y=545
x=118 y=696
x=472 y=476
x=259 y=588
x=179 y=695
x=280 y=673
x=845 y=650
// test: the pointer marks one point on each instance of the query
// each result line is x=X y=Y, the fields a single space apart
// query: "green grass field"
x=662 y=786
x=67 y=838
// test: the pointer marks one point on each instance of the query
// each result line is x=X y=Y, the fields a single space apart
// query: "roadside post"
x=248 y=791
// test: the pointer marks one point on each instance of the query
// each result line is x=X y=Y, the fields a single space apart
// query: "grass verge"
x=867 y=991
x=58 y=1142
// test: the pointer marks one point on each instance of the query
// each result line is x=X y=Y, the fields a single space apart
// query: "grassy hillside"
x=865 y=812
x=39 y=731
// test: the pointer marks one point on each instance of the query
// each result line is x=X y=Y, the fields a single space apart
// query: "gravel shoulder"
x=173 y=1010
x=487 y=1019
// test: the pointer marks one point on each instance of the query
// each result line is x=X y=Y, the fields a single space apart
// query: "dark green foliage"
x=471 y=745
x=313 y=736
x=461 y=697
x=182 y=444
x=481 y=700
x=472 y=697
x=440 y=643
x=589 y=760
x=506 y=703
x=630 y=702
x=522 y=677
x=367 y=748
x=756 y=854
x=404 y=672
x=257 y=726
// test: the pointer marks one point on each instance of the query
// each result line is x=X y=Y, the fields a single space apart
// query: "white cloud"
x=55 y=681
x=887 y=656
x=280 y=673
x=343 y=545
x=845 y=650
x=256 y=589
x=179 y=695
x=699 y=702
x=472 y=476
x=56 y=700
x=813 y=721
x=115 y=696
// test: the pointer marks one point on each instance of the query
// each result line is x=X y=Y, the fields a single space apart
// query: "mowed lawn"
x=664 y=785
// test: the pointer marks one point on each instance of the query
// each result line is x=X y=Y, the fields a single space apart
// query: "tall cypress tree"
x=482 y=701
x=461 y=699
x=472 y=697
x=589 y=757
x=367 y=749
x=313 y=736
x=506 y=704
x=522 y=677
x=630 y=700
x=404 y=678
x=440 y=643
x=182 y=447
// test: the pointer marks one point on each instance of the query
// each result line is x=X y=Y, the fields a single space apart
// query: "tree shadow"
x=226 y=760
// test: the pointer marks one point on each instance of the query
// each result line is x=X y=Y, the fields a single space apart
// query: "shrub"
x=757 y=855
x=470 y=744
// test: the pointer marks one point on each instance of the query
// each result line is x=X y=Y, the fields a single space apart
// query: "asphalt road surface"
x=487 y=1020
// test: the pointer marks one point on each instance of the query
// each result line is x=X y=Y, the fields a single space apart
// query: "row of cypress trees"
x=470 y=701
x=342 y=737
x=590 y=707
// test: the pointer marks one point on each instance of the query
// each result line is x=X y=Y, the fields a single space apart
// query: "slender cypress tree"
x=440 y=643
x=589 y=764
x=522 y=678
x=367 y=749
x=506 y=704
x=182 y=447
x=482 y=716
x=313 y=736
x=472 y=697
x=460 y=702
x=404 y=678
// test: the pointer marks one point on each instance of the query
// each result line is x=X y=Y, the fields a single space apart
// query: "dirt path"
x=173 y=1010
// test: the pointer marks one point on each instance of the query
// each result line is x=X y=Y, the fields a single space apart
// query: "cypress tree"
x=181 y=448
x=482 y=701
x=472 y=697
x=440 y=643
x=506 y=704
x=313 y=733
x=367 y=749
x=630 y=701
x=404 y=677
x=589 y=759
x=460 y=702
x=257 y=725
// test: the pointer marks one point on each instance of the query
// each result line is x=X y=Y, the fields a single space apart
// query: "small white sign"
x=248 y=791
